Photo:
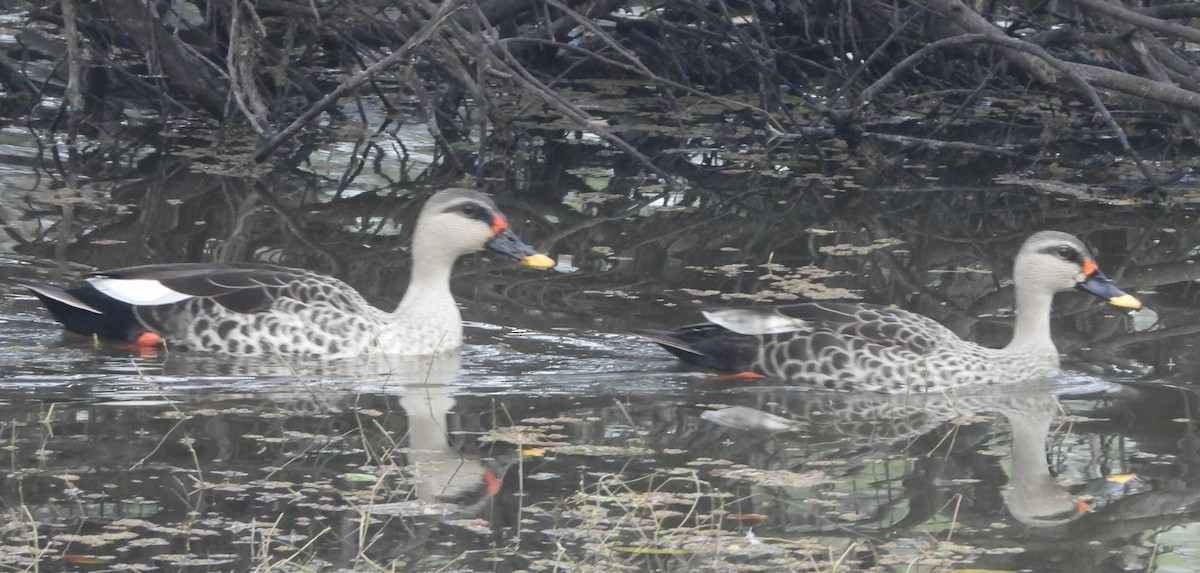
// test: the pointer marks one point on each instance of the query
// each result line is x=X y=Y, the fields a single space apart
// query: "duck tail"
x=84 y=314
x=55 y=299
x=671 y=342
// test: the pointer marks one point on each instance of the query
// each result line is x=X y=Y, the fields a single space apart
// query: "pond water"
x=556 y=440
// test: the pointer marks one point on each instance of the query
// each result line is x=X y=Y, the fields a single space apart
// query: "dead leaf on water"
x=773 y=478
x=598 y=450
x=848 y=250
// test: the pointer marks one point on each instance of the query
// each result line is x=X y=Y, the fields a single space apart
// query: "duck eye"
x=470 y=210
x=1068 y=253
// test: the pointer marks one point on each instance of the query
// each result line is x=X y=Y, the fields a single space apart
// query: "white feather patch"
x=138 y=292
x=751 y=321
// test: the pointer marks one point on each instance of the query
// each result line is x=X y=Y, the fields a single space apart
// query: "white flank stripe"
x=754 y=321
x=139 y=292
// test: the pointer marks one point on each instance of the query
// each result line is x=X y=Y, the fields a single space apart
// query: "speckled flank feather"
x=848 y=346
x=887 y=350
x=306 y=313
x=253 y=308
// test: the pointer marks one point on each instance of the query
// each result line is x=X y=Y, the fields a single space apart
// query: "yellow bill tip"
x=1126 y=301
x=540 y=261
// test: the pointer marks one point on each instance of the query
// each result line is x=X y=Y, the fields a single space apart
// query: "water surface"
x=557 y=441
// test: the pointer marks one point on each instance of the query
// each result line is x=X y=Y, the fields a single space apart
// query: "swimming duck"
x=254 y=308
x=853 y=346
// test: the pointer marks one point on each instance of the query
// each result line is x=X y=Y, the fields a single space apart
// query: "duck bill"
x=509 y=244
x=1096 y=284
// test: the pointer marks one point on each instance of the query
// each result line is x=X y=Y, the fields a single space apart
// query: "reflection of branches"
x=297 y=231
x=353 y=82
x=632 y=63
x=1165 y=273
x=1158 y=335
x=599 y=220
x=521 y=76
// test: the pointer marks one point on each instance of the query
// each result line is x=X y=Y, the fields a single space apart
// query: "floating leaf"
x=358 y=477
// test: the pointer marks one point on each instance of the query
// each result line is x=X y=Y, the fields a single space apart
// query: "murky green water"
x=558 y=442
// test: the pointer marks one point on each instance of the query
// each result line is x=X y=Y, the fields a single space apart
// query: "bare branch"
x=1186 y=32
x=352 y=83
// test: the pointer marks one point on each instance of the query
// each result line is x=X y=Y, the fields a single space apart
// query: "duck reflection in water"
x=457 y=484
x=876 y=421
x=443 y=474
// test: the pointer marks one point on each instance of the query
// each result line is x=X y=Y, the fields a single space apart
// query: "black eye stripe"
x=1066 y=252
x=472 y=210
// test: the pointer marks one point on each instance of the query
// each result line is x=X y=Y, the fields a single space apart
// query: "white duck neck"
x=428 y=294
x=1033 y=317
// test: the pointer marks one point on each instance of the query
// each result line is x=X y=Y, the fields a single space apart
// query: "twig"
x=241 y=83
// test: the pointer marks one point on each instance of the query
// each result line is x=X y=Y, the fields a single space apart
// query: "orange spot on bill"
x=1082 y=506
x=1090 y=267
x=493 y=482
x=498 y=224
